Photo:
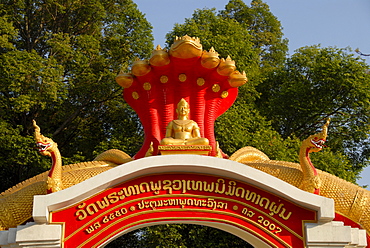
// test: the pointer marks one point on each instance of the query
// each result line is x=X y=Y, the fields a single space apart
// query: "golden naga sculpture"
x=351 y=201
x=48 y=147
x=183 y=131
x=16 y=203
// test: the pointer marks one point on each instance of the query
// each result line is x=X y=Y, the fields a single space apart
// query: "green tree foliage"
x=58 y=60
x=178 y=235
x=265 y=29
x=315 y=84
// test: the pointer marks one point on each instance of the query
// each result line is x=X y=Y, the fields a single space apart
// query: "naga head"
x=315 y=142
x=44 y=144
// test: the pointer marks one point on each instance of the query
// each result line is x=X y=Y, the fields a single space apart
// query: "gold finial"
x=140 y=67
x=226 y=66
x=125 y=80
x=237 y=79
x=186 y=47
x=159 y=57
x=210 y=59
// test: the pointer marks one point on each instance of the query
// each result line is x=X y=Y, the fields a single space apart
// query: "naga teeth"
x=43 y=147
x=318 y=143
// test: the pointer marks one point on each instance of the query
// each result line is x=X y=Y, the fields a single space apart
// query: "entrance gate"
x=191 y=189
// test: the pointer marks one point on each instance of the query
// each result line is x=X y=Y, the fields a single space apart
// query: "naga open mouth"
x=318 y=143
x=42 y=146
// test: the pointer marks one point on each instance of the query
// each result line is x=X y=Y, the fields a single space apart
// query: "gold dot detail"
x=200 y=81
x=235 y=207
x=182 y=77
x=135 y=95
x=147 y=86
x=163 y=79
x=216 y=88
x=224 y=94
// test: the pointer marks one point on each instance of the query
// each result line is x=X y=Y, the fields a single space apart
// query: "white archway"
x=190 y=165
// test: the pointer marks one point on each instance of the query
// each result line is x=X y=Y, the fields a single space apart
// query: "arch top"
x=183 y=189
x=181 y=164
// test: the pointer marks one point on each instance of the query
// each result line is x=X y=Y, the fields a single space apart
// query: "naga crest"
x=316 y=142
x=155 y=86
x=44 y=144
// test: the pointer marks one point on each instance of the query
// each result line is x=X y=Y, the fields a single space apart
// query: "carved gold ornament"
x=163 y=79
x=182 y=77
x=135 y=95
x=216 y=88
x=200 y=81
x=147 y=86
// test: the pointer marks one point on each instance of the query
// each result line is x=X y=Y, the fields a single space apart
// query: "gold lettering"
x=142 y=190
x=237 y=192
x=183 y=186
x=197 y=185
x=267 y=202
x=208 y=187
x=274 y=209
x=84 y=214
x=231 y=187
x=113 y=197
x=156 y=187
x=178 y=187
x=90 y=229
x=211 y=203
x=103 y=204
x=285 y=217
x=167 y=186
x=220 y=180
x=141 y=204
x=91 y=212
x=182 y=203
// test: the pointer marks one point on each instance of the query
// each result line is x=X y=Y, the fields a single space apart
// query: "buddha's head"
x=182 y=108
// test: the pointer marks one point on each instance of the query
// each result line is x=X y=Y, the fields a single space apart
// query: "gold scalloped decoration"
x=125 y=80
x=186 y=47
x=237 y=79
x=140 y=68
x=182 y=77
x=159 y=57
x=163 y=79
x=200 y=81
x=226 y=66
x=210 y=59
x=147 y=86
x=224 y=94
x=216 y=88
x=135 y=95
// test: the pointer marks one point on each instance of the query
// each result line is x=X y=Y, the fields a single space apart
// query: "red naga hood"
x=154 y=87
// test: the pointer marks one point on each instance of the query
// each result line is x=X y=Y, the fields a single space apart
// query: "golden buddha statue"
x=183 y=131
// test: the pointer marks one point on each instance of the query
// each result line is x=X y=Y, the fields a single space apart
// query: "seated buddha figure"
x=183 y=131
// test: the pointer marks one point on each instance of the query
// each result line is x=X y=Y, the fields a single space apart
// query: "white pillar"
x=32 y=235
x=334 y=234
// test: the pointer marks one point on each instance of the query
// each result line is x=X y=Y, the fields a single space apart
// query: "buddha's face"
x=182 y=108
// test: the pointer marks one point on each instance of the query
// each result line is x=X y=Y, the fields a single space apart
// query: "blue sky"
x=339 y=23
